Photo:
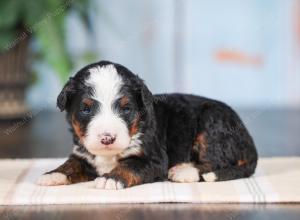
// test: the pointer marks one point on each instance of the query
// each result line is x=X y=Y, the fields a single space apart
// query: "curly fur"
x=166 y=131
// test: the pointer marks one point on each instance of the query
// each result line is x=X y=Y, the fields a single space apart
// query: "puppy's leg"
x=234 y=172
x=182 y=166
x=74 y=170
x=224 y=144
x=130 y=172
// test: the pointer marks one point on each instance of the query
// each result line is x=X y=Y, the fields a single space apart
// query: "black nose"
x=107 y=138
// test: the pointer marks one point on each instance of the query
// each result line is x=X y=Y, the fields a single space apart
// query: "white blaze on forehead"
x=106 y=83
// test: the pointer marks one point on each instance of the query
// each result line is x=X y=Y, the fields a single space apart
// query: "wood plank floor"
x=153 y=211
x=276 y=133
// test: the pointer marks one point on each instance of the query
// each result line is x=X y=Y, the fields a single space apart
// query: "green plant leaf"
x=44 y=19
x=10 y=13
x=7 y=39
x=51 y=38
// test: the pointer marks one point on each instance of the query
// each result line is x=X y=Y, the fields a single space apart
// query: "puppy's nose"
x=107 y=138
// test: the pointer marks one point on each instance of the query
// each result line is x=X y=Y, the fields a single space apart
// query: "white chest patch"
x=104 y=164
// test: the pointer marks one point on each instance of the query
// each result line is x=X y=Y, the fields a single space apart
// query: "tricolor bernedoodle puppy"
x=125 y=136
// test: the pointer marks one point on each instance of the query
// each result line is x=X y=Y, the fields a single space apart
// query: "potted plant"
x=20 y=23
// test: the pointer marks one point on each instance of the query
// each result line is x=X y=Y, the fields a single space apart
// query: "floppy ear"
x=146 y=99
x=64 y=98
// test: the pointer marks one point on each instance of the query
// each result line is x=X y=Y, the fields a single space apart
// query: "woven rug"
x=277 y=180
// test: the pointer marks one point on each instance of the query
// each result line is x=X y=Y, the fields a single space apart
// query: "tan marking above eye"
x=88 y=102
x=124 y=101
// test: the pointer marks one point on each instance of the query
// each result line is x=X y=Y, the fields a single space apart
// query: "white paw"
x=53 y=179
x=184 y=173
x=111 y=184
x=209 y=177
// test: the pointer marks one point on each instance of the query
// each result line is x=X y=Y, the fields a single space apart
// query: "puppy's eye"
x=126 y=109
x=86 y=110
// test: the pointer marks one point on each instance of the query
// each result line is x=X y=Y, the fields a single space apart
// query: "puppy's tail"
x=230 y=173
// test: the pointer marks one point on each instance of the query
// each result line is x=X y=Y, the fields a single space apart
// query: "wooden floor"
x=276 y=133
x=153 y=212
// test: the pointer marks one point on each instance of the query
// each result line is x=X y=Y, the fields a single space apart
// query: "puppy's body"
x=125 y=136
x=207 y=133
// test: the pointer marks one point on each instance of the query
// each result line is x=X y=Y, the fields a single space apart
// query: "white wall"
x=143 y=35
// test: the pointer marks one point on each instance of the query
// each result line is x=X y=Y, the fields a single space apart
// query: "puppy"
x=125 y=136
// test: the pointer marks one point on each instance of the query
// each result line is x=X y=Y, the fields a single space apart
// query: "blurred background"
x=245 y=53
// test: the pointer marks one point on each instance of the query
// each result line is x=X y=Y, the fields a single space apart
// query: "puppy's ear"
x=64 y=98
x=145 y=99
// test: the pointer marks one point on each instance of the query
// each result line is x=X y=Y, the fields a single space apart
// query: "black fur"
x=176 y=128
x=182 y=117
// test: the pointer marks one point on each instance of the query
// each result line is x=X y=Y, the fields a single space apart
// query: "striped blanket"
x=277 y=180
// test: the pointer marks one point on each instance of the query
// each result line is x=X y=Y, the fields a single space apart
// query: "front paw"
x=53 y=179
x=108 y=183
